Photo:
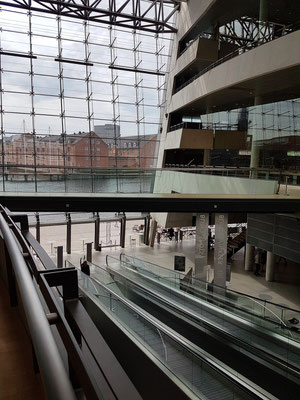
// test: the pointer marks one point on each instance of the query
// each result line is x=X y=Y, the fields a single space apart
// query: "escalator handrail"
x=183 y=342
x=229 y=314
x=200 y=280
x=262 y=353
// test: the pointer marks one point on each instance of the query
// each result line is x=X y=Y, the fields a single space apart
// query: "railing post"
x=89 y=251
x=60 y=257
x=122 y=231
x=68 y=279
x=97 y=233
x=38 y=227
x=69 y=234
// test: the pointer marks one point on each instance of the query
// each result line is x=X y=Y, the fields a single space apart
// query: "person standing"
x=257 y=262
x=85 y=269
x=263 y=260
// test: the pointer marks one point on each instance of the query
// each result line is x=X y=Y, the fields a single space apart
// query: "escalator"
x=263 y=357
x=191 y=370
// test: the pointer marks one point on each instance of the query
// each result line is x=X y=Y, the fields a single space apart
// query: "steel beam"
x=153 y=202
x=126 y=13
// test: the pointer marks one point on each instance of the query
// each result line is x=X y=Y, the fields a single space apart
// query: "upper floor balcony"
x=233 y=81
x=189 y=135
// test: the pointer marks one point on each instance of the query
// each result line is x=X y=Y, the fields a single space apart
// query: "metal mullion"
x=157 y=68
x=102 y=101
x=74 y=79
x=2 y=124
x=113 y=103
x=45 y=95
x=74 y=98
x=62 y=102
x=136 y=81
x=14 y=72
x=31 y=73
x=87 y=10
x=88 y=98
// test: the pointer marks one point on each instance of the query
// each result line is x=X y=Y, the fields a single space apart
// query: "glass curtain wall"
x=71 y=120
x=275 y=127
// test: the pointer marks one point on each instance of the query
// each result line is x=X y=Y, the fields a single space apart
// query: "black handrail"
x=54 y=376
x=204 y=126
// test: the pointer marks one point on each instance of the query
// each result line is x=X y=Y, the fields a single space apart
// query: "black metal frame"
x=90 y=10
x=86 y=369
x=154 y=202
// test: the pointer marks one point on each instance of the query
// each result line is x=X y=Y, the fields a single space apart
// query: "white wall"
x=181 y=182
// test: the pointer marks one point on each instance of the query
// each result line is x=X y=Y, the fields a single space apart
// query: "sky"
x=120 y=102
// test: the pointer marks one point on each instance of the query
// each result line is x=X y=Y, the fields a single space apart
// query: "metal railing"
x=285 y=31
x=229 y=296
x=54 y=376
x=37 y=277
x=168 y=332
x=200 y=125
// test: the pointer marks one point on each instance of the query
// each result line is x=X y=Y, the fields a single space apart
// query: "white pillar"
x=153 y=232
x=206 y=157
x=270 y=267
x=201 y=246
x=220 y=252
x=249 y=257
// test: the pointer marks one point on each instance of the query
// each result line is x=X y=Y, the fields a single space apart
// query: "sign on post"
x=179 y=263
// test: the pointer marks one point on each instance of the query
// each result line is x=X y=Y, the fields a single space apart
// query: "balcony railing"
x=284 y=31
x=200 y=125
x=127 y=180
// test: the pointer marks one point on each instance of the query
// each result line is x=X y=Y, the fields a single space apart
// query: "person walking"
x=171 y=233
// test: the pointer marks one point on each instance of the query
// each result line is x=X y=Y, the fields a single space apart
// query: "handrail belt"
x=54 y=376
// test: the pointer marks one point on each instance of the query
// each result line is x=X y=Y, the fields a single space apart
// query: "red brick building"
x=80 y=150
x=86 y=150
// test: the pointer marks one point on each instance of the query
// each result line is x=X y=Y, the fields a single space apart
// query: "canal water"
x=84 y=184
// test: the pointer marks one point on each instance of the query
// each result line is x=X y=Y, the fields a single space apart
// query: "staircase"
x=236 y=243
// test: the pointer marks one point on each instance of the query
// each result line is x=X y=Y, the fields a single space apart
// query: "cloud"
x=106 y=97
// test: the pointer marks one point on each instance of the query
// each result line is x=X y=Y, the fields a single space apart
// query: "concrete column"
x=249 y=257
x=153 y=232
x=270 y=267
x=220 y=253
x=207 y=152
x=263 y=10
x=255 y=149
x=201 y=245
x=206 y=157
x=146 y=229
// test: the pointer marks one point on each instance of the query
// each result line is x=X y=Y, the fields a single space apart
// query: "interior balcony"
x=208 y=137
x=259 y=73
x=198 y=56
